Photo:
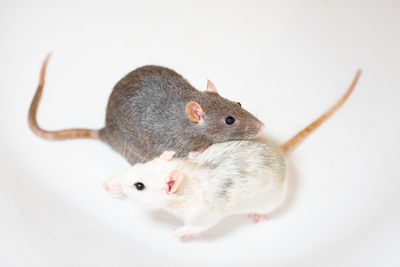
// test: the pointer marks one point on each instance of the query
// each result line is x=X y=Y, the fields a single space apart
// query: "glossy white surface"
x=285 y=61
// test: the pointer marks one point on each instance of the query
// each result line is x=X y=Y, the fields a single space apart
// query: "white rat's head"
x=148 y=184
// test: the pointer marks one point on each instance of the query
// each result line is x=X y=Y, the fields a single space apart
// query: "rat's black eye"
x=229 y=120
x=139 y=186
x=239 y=103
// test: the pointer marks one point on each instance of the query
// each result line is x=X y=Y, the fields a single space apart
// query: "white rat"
x=233 y=177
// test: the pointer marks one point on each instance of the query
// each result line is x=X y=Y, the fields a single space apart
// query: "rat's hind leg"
x=256 y=217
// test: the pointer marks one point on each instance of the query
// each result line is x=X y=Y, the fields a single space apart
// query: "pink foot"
x=257 y=217
x=183 y=233
x=186 y=237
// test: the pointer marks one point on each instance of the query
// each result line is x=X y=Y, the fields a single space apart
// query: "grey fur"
x=210 y=165
x=225 y=188
x=146 y=116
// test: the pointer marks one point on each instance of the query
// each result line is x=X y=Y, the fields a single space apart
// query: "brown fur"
x=146 y=116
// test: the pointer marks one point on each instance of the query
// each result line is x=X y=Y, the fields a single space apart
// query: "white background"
x=285 y=61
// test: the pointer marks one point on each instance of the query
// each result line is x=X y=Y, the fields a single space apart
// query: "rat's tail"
x=53 y=135
x=310 y=128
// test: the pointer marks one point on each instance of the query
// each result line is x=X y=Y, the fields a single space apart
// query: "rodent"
x=154 y=109
x=232 y=177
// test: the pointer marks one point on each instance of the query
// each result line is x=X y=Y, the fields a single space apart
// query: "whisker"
x=124 y=149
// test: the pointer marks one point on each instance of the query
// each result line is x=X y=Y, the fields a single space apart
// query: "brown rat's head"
x=221 y=119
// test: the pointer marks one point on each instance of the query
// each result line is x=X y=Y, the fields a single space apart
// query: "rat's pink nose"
x=261 y=127
x=106 y=187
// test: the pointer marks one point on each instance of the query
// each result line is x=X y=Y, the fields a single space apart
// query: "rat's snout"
x=114 y=189
x=260 y=127
x=106 y=187
x=254 y=128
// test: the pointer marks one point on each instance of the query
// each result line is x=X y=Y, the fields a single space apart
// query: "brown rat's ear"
x=211 y=87
x=173 y=181
x=195 y=111
x=167 y=155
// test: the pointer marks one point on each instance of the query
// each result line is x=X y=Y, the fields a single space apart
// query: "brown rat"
x=232 y=177
x=153 y=109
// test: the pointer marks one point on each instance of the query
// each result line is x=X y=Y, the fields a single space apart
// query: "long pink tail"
x=53 y=135
x=295 y=140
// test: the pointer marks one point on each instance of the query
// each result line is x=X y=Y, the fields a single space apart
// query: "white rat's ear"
x=195 y=112
x=173 y=181
x=167 y=155
x=211 y=87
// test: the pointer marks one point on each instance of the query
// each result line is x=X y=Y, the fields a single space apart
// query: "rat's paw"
x=182 y=233
x=187 y=237
x=193 y=154
x=186 y=232
x=256 y=217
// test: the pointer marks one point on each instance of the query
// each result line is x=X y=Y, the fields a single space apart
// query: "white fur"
x=227 y=178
